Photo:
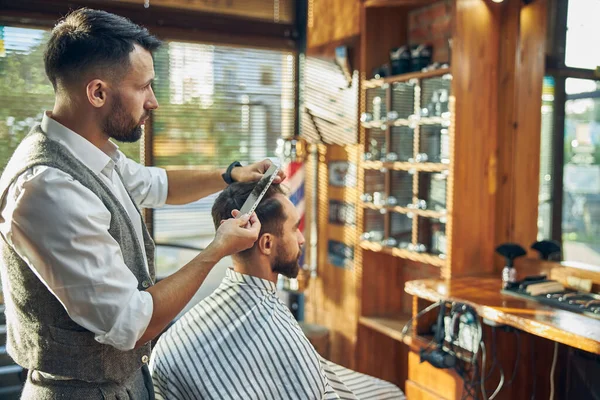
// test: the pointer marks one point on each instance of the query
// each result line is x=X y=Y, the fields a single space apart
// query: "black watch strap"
x=227 y=175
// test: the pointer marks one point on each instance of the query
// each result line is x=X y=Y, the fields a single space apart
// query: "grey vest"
x=40 y=335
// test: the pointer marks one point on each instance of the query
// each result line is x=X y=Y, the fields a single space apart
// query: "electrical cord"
x=482 y=381
x=470 y=376
x=552 y=370
x=494 y=354
x=533 y=370
x=420 y=314
x=516 y=366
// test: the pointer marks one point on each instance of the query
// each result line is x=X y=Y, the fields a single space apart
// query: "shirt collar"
x=250 y=280
x=95 y=159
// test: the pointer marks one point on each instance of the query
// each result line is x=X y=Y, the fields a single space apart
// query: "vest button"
x=145 y=359
x=145 y=284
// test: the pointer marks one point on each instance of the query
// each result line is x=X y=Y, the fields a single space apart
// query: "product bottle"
x=509 y=251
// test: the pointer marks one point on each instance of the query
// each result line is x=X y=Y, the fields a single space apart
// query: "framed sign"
x=340 y=254
x=341 y=213
x=342 y=174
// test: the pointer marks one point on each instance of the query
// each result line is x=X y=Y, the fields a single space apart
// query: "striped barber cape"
x=242 y=342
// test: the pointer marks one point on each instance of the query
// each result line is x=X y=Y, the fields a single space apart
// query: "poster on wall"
x=342 y=174
x=340 y=254
x=341 y=213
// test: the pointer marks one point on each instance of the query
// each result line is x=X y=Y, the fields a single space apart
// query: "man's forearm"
x=186 y=186
x=171 y=294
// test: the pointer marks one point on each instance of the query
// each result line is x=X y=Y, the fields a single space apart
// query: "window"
x=218 y=104
x=583 y=34
x=581 y=174
x=569 y=197
x=215 y=107
x=25 y=91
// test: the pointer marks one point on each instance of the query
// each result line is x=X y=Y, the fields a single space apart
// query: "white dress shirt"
x=60 y=228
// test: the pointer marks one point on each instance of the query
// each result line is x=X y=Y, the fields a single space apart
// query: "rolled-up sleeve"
x=60 y=228
x=147 y=185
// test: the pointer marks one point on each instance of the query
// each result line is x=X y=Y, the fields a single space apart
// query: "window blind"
x=218 y=104
x=330 y=105
x=25 y=91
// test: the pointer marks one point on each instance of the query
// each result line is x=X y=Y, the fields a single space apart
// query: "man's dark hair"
x=87 y=39
x=269 y=211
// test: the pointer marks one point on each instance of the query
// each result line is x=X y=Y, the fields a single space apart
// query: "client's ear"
x=266 y=244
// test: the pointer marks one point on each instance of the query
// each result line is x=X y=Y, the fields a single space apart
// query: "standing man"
x=77 y=263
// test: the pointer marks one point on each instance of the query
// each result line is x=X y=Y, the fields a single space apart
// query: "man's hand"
x=253 y=172
x=236 y=234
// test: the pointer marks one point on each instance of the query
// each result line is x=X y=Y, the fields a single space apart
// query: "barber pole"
x=295 y=184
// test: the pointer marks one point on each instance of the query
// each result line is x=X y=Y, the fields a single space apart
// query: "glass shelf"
x=401 y=190
x=376 y=106
x=402 y=143
x=432 y=234
x=435 y=95
x=403 y=101
x=432 y=189
x=434 y=144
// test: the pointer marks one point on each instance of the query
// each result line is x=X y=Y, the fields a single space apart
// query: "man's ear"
x=96 y=91
x=266 y=243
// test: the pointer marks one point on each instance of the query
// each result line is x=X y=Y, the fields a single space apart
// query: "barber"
x=77 y=263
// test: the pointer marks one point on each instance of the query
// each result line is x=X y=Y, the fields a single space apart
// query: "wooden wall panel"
x=521 y=73
x=331 y=297
x=381 y=356
x=332 y=21
x=433 y=25
x=474 y=70
x=382 y=29
x=382 y=285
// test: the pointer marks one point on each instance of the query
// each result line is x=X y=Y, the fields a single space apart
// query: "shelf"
x=405 y=166
x=402 y=253
x=383 y=124
x=375 y=83
x=372 y=124
x=406 y=210
x=390 y=326
x=433 y=121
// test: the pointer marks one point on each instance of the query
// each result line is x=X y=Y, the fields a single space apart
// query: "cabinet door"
x=436 y=382
x=332 y=21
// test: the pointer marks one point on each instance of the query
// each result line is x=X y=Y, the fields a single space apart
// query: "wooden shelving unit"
x=402 y=253
x=491 y=87
x=389 y=326
x=422 y=84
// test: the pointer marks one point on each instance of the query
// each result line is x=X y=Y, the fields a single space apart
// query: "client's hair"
x=269 y=211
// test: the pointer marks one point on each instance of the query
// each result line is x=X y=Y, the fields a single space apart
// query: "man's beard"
x=120 y=126
x=286 y=267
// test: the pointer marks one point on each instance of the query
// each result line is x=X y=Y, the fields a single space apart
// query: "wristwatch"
x=227 y=174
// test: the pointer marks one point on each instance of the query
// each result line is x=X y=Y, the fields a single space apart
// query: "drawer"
x=414 y=391
x=444 y=383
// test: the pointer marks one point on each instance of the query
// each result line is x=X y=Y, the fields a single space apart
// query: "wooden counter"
x=484 y=295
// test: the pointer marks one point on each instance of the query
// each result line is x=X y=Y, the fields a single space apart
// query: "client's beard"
x=287 y=268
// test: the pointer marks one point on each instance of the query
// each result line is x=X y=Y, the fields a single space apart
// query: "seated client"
x=242 y=342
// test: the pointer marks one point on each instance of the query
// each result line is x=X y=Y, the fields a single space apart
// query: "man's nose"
x=152 y=103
